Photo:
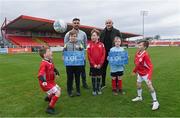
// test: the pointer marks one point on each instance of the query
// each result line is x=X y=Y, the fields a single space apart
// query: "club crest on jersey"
x=140 y=59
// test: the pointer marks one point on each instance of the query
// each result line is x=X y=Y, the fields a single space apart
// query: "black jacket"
x=115 y=32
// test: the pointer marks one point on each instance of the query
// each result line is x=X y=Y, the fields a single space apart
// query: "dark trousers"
x=96 y=84
x=83 y=75
x=104 y=68
x=73 y=72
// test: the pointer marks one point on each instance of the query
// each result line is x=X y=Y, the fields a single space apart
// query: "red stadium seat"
x=28 y=41
x=54 y=41
x=23 y=41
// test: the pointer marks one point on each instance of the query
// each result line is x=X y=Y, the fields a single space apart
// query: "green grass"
x=20 y=94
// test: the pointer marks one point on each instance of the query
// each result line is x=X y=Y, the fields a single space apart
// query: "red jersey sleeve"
x=103 y=55
x=41 y=70
x=149 y=65
x=90 y=55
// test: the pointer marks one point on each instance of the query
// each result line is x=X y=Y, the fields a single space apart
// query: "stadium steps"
x=23 y=41
x=9 y=39
x=38 y=40
x=53 y=41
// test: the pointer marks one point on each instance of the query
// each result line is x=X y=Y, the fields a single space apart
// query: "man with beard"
x=82 y=37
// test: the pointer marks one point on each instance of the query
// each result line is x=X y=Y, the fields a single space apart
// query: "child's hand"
x=57 y=76
x=95 y=66
x=80 y=48
x=56 y=72
x=98 y=66
x=44 y=83
x=133 y=74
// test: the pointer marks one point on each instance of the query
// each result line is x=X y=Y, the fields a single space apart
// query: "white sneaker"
x=94 y=93
x=155 y=105
x=103 y=87
x=137 y=99
x=99 y=92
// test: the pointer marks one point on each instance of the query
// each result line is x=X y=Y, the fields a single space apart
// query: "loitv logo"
x=71 y=58
x=115 y=58
x=118 y=58
x=74 y=58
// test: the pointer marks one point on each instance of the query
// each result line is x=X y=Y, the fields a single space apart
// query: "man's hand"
x=98 y=66
x=95 y=66
x=107 y=57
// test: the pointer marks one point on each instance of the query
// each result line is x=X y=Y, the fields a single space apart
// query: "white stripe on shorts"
x=142 y=78
x=53 y=90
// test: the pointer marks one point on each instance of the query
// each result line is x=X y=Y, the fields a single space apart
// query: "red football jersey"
x=96 y=53
x=143 y=65
x=47 y=71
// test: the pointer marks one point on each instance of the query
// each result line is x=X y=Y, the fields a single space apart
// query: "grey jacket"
x=73 y=46
x=80 y=37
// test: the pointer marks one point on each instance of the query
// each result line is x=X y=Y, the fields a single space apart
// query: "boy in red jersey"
x=46 y=77
x=143 y=69
x=96 y=56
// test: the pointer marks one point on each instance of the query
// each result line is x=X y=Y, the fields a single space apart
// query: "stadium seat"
x=23 y=41
x=53 y=41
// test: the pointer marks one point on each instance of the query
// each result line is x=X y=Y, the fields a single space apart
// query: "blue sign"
x=3 y=50
x=74 y=58
x=118 y=58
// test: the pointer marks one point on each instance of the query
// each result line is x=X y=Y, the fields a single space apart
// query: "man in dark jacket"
x=107 y=37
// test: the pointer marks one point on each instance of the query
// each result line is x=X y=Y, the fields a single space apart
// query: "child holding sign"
x=117 y=70
x=73 y=70
x=143 y=70
x=96 y=56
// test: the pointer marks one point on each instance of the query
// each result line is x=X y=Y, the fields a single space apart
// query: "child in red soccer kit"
x=96 y=56
x=46 y=76
x=143 y=70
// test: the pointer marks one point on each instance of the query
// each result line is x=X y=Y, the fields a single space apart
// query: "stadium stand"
x=53 y=41
x=23 y=41
x=26 y=31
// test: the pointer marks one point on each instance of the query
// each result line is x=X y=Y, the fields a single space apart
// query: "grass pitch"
x=20 y=94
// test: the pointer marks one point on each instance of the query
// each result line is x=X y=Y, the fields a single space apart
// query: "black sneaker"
x=122 y=92
x=70 y=95
x=78 y=94
x=85 y=86
x=115 y=93
x=47 y=99
x=50 y=110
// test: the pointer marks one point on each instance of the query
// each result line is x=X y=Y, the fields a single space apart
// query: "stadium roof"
x=40 y=24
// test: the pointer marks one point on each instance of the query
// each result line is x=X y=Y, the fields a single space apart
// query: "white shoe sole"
x=103 y=87
x=156 y=108
x=136 y=100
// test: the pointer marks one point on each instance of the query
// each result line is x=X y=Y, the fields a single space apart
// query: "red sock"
x=53 y=101
x=113 y=84
x=120 y=84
